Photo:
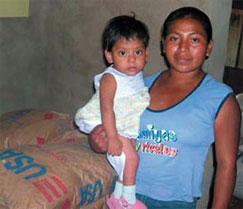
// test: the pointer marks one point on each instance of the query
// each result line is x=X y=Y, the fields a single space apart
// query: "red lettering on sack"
x=60 y=184
x=40 y=140
x=46 y=188
x=70 y=140
x=48 y=116
x=51 y=188
x=66 y=204
x=54 y=154
x=43 y=191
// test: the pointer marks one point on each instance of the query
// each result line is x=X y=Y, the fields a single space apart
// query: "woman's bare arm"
x=226 y=130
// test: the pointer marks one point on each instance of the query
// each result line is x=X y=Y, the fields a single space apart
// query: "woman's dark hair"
x=191 y=12
x=124 y=27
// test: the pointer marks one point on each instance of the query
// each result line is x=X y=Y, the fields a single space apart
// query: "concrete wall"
x=23 y=59
x=48 y=60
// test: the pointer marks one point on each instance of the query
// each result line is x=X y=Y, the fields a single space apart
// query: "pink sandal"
x=126 y=205
x=113 y=203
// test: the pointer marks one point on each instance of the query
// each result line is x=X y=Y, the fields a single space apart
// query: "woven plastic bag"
x=32 y=127
x=62 y=175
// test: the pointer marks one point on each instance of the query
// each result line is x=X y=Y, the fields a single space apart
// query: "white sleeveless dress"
x=131 y=99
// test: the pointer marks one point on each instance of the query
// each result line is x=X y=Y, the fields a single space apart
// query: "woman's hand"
x=98 y=139
x=115 y=147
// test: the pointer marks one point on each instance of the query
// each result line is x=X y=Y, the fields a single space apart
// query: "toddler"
x=118 y=102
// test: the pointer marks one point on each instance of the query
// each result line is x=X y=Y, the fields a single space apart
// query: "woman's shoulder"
x=215 y=85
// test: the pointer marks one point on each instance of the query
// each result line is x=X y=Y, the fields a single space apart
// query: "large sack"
x=64 y=175
x=32 y=127
x=99 y=204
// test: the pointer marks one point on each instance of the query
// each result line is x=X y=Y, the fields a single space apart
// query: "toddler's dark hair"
x=124 y=27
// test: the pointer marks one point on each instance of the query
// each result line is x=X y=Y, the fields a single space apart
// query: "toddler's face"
x=128 y=56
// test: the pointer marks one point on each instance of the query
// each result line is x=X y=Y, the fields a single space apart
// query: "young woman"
x=189 y=110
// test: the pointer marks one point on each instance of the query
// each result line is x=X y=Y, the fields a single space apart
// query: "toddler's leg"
x=127 y=170
x=128 y=200
x=130 y=170
x=118 y=163
x=131 y=161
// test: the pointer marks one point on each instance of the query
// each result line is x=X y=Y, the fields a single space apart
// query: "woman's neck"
x=181 y=78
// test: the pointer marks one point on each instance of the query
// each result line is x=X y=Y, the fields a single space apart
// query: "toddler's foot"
x=125 y=205
x=113 y=203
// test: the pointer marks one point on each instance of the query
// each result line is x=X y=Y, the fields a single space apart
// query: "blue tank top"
x=173 y=143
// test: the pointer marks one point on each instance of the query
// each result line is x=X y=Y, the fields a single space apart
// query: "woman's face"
x=186 y=45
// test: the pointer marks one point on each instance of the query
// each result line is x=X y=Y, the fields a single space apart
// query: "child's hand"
x=115 y=147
